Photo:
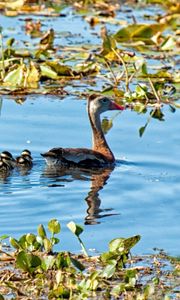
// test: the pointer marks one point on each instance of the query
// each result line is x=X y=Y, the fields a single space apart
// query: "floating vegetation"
x=135 y=62
x=36 y=270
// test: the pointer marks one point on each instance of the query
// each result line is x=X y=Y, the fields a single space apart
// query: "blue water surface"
x=141 y=195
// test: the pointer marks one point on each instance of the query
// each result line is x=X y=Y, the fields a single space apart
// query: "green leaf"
x=41 y=231
x=14 y=243
x=168 y=44
x=10 y=42
x=34 y=73
x=77 y=264
x=47 y=245
x=48 y=262
x=15 y=77
x=60 y=69
x=54 y=226
x=46 y=71
x=30 y=238
x=75 y=228
x=139 y=31
x=109 y=270
x=54 y=240
x=3 y=237
x=27 y=262
x=123 y=244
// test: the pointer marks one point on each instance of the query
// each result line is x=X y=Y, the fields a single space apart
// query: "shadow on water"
x=98 y=179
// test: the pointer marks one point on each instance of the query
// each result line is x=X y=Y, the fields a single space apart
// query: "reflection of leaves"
x=142 y=129
x=106 y=125
x=1 y=102
x=157 y=114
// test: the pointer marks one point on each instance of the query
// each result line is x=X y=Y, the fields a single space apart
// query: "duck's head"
x=100 y=104
x=26 y=153
x=7 y=158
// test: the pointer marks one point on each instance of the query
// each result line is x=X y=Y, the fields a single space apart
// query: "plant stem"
x=154 y=91
x=2 y=56
x=83 y=247
x=125 y=68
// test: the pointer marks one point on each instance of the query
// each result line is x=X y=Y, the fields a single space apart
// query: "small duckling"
x=25 y=159
x=7 y=161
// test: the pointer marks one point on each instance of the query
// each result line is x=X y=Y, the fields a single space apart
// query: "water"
x=140 y=196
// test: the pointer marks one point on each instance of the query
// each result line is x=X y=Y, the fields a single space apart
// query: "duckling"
x=25 y=159
x=7 y=162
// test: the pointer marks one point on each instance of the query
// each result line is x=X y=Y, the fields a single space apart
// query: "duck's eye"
x=104 y=100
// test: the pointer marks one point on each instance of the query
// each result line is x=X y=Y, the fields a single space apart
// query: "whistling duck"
x=25 y=159
x=100 y=155
x=7 y=162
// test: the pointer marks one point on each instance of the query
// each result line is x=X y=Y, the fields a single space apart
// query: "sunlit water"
x=141 y=195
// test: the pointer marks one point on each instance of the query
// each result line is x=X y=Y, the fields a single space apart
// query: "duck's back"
x=80 y=157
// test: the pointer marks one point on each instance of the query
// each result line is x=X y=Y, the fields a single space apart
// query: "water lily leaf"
x=15 y=77
x=48 y=72
x=60 y=69
x=85 y=69
x=33 y=73
x=139 y=31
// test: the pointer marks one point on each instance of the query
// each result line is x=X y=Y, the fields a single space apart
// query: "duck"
x=7 y=162
x=25 y=159
x=100 y=155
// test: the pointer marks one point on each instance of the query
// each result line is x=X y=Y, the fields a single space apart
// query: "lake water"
x=141 y=195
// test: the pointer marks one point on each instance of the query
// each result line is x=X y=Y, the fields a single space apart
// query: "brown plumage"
x=100 y=155
x=25 y=159
x=7 y=162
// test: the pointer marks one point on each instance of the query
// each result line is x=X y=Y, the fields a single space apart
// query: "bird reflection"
x=98 y=179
